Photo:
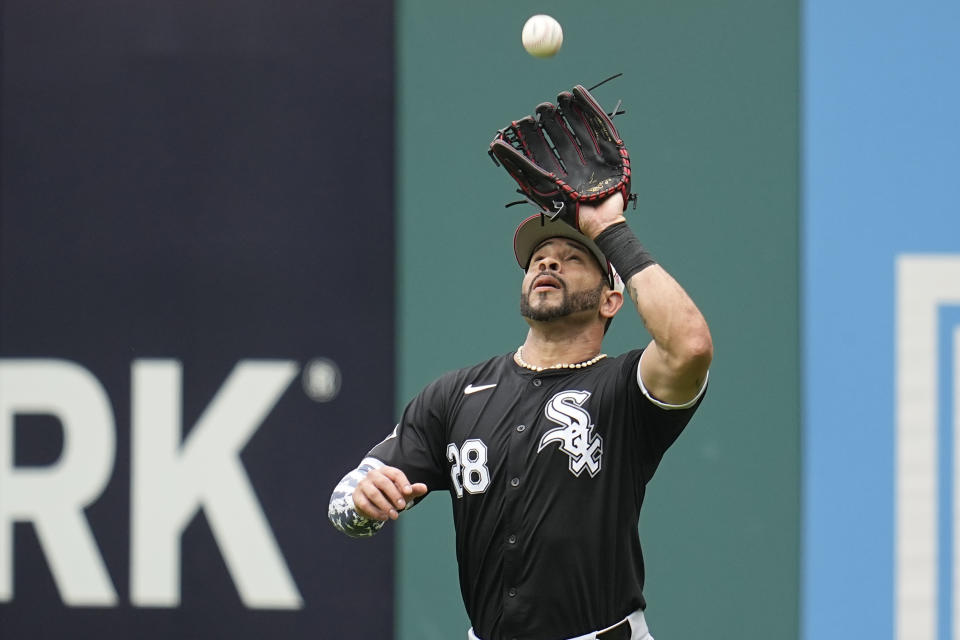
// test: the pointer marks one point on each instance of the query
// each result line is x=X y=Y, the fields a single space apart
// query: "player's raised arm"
x=674 y=366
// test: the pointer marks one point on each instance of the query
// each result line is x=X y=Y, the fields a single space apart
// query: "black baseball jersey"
x=547 y=472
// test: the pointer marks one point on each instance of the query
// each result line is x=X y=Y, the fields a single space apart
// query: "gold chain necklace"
x=518 y=357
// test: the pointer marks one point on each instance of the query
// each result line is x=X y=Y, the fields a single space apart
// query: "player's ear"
x=610 y=303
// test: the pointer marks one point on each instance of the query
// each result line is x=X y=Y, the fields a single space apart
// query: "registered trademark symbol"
x=321 y=379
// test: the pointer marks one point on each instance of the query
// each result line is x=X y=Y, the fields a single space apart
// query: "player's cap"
x=537 y=228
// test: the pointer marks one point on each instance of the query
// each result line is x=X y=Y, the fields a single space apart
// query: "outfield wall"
x=235 y=241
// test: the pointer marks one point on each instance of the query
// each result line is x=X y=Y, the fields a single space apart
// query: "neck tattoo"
x=518 y=358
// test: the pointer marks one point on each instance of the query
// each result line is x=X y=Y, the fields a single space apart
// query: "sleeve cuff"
x=664 y=405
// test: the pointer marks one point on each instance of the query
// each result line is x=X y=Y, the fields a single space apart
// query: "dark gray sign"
x=196 y=316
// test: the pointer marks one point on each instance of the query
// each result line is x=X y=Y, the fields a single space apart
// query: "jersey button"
x=512 y=592
x=521 y=427
x=515 y=482
x=512 y=539
x=537 y=382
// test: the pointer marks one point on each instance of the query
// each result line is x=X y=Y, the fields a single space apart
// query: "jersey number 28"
x=469 y=470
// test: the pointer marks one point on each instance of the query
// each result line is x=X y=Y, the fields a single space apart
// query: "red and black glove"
x=569 y=153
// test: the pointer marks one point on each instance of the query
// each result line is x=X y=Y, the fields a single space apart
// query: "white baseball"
x=542 y=36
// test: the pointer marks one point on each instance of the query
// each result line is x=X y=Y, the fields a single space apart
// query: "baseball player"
x=546 y=451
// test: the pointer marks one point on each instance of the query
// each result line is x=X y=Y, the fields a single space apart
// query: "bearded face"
x=562 y=279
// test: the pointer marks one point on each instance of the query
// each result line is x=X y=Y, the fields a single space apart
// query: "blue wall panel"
x=881 y=150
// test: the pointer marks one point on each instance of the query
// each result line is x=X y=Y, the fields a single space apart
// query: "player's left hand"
x=385 y=492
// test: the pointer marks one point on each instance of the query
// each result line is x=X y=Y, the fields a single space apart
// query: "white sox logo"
x=576 y=435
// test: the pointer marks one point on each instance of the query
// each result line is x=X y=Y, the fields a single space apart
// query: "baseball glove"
x=567 y=155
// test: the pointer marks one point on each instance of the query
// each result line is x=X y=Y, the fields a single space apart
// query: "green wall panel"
x=710 y=90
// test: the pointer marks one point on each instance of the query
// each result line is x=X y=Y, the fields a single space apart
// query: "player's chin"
x=542 y=306
x=536 y=303
x=543 y=313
